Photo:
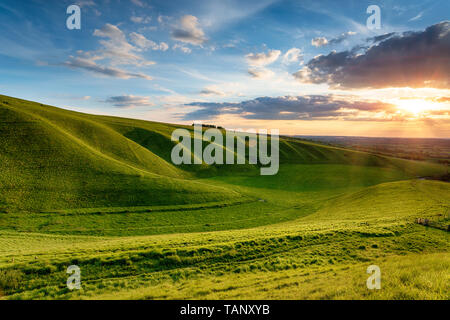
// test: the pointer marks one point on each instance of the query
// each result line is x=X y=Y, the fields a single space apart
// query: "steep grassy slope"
x=56 y=159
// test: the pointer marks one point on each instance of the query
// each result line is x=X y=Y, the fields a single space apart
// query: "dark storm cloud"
x=413 y=59
x=289 y=108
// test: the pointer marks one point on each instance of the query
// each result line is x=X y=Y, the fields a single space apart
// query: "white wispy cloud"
x=142 y=42
x=417 y=17
x=322 y=41
x=144 y=19
x=212 y=90
x=92 y=66
x=139 y=3
x=262 y=59
x=293 y=55
x=85 y=3
x=182 y=48
x=260 y=73
x=319 y=42
x=114 y=50
x=189 y=31
x=258 y=61
x=116 y=47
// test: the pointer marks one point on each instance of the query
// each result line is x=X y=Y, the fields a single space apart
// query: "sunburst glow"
x=416 y=106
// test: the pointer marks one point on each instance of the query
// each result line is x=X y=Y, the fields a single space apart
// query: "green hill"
x=53 y=159
x=101 y=192
x=58 y=159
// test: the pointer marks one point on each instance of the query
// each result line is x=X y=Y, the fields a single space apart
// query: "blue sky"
x=174 y=61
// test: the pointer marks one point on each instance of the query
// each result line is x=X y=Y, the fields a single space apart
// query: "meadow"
x=101 y=193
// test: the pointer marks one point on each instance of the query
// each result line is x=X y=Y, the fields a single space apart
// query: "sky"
x=303 y=67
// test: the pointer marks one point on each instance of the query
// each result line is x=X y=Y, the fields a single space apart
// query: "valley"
x=101 y=193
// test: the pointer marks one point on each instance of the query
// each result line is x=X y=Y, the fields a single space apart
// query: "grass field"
x=101 y=193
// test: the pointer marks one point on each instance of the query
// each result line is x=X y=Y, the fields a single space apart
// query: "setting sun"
x=416 y=106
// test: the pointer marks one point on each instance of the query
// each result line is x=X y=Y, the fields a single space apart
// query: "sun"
x=415 y=106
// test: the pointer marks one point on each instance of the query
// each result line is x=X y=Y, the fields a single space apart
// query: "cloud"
x=222 y=89
x=139 y=3
x=182 y=48
x=163 y=20
x=163 y=46
x=322 y=41
x=85 y=98
x=312 y=107
x=381 y=37
x=293 y=55
x=136 y=19
x=110 y=31
x=115 y=51
x=145 y=44
x=189 y=31
x=85 y=3
x=342 y=37
x=212 y=91
x=219 y=14
x=262 y=59
x=91 y=66
x=417 y=17
x=414 y=59
x=117 y=48
x=257 y=61
x=319 y=42
x=260 y=73
x=141 y=41
x=129 y=101
x=442 y=99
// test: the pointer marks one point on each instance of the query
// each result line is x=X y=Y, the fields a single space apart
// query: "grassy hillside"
x=101 y=192
x=321 y=255
x=57 y=159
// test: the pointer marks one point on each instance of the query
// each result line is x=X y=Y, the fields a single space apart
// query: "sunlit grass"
x=101 y=193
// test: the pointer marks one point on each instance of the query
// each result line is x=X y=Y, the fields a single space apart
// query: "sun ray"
x=417 y=106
